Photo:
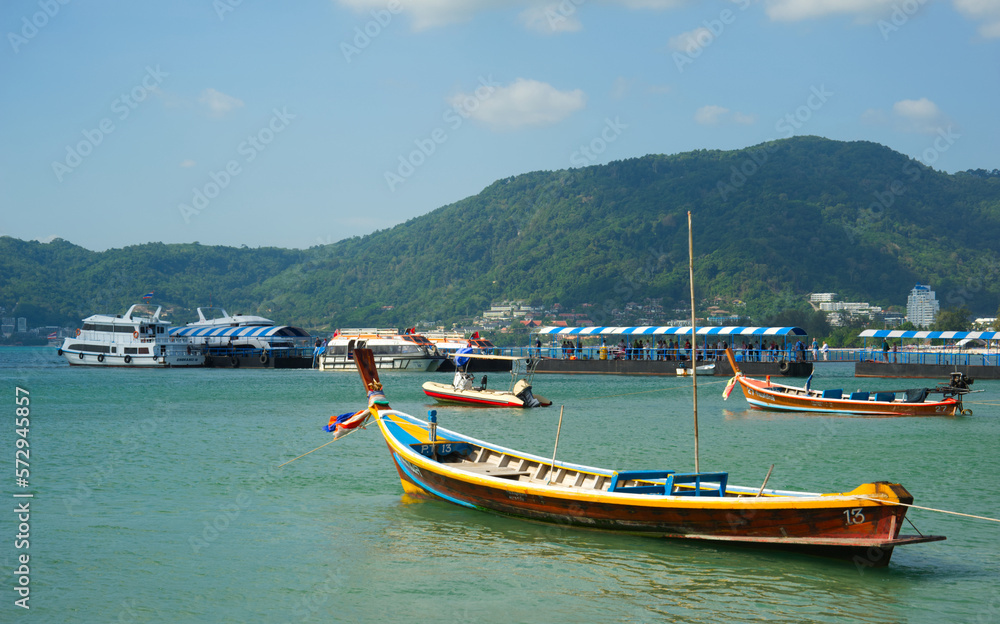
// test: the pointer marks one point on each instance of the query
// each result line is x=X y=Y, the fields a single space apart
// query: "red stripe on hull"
x=469 y=400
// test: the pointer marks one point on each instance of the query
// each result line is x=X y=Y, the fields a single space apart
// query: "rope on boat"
x=954 y=513
x=359 y=427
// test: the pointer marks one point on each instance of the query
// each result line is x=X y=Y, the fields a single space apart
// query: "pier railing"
x=942 y=357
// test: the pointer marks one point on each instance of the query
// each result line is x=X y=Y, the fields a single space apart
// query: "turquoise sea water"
x=158 y=499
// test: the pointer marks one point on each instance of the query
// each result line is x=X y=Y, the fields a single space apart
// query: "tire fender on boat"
x=59 y=352
x=235 y=361
x=100 y=357
x=80 y=355
x=784 y=366
x=128 y=359
x=263 y=358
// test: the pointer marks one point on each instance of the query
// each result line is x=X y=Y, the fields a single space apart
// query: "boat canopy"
x=673 y=331
x=929 y=335
x=246 y=331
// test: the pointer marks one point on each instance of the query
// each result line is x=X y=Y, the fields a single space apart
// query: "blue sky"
x=301 y=123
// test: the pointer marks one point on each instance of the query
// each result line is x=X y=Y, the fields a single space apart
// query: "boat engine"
x=522 y=390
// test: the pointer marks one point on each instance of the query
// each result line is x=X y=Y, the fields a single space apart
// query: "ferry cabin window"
x=114 y=329
x=89 y=348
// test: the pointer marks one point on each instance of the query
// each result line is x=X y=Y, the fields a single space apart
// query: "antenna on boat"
x=694 y=342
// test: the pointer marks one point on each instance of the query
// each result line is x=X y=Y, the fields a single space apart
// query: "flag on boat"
x=729 y=388
x=460 y=361
x=148 y=296
x=340 y=425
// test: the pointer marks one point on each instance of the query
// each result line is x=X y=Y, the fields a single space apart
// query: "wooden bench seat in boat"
x=492 y=470
x=698 y=482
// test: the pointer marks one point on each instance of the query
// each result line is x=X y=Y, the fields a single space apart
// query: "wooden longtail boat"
x=765 y=394
x=434 y=463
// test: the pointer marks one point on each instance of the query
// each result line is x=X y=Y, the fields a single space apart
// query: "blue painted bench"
x=694 y=479
x=887 y=397
x=860 y=396
x=833 y=394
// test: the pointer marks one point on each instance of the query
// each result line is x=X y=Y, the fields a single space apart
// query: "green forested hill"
x=771 y=224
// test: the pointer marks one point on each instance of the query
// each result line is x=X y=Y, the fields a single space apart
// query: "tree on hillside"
x=952 y=319
x=813 y=321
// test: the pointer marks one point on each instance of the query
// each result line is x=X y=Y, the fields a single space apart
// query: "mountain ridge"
x=772 y=222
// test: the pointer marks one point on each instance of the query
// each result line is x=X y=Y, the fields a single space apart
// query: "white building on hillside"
x=922 y=306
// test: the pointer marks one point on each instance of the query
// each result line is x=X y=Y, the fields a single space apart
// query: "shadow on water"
x=642 y=576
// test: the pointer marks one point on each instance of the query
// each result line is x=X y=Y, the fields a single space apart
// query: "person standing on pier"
x=815 y=350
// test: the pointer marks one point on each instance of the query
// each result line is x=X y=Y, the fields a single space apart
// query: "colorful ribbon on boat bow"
x=729 y=388
x=341 y=425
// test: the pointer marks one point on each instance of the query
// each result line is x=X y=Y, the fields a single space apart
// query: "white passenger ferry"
x=136 y=339
x=391 y=350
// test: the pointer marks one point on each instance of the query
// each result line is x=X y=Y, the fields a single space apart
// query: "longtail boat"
x=768 y=395
x=435 y=463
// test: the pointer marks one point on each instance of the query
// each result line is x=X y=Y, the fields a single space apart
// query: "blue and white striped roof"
x=245 y=331
x=931 y=335
x=673 y=331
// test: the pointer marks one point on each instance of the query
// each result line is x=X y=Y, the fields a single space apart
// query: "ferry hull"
x=134 y=361
x=418 y=365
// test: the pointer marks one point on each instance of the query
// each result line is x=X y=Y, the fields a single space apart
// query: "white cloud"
x=987 y=11
x=432 y=13
x=522 y=103
x=798 y=10
x=550 y=19
x=427 y=13
x=219 y=103
x=691 y=40
x=921 y=116
x=713 y=115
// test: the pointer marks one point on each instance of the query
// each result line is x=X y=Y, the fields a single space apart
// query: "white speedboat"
x=133 y=340
x=391 y=350
x=705 y=369
x=463 y=390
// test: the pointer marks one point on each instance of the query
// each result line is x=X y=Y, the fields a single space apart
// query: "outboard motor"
x=522 y=390
x=960 y=381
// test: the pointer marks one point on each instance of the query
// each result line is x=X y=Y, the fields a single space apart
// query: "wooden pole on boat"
x=694 y=342
x=761 y=490
x=552 y=469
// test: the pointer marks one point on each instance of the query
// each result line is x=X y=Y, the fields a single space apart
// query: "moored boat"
x=242 y=340
x=463 y=390
x=435 y=463
x=132 y=340
x=766 y=394
x=705 y=369
x=407 y=351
